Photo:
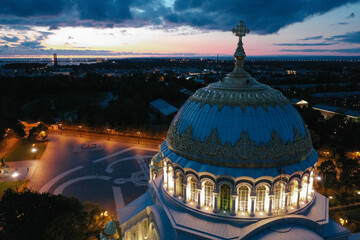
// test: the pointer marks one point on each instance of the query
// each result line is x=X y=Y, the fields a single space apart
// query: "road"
x=110 y=173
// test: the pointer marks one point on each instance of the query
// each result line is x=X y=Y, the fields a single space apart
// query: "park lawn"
x=22 y=150
x=21 y=185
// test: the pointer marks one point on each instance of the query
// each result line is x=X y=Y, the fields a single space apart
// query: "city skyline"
x=178 y=28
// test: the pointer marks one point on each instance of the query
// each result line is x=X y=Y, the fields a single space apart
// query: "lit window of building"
x=243 y=199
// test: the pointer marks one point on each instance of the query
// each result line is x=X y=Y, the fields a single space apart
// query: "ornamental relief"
x=259 y=98
x=244 y=153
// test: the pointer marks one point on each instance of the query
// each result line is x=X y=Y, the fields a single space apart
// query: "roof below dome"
x=289 y=232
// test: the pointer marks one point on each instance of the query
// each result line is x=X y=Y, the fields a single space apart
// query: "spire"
x=239 y=55
x=239 y=73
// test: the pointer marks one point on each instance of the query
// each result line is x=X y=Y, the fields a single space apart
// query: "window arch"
x=261 y=197
x=243 y=198
x=154 y=235
x=304 y=186
x=225 y=197
x=179 y=184
x=294 y=188
x=311 y=183
x=171 y=178
x=279 y=196
x=207 y=193
x=191 y=187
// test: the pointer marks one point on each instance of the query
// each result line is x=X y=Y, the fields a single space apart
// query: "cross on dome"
x=240 y=30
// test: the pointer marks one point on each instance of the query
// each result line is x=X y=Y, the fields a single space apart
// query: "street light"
x=15 y=175
x=138 y=134
x=80 y=129
x=34 y=150
x=108 y=130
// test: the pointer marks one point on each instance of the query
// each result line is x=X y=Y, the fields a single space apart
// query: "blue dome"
x=239 y=123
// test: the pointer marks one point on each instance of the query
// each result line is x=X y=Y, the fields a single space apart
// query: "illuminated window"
x=225 y=197
x=279 y=198
x=170 y=178
x=145 y=228
x=208 y=189
x=243 y=198
x=261 y=194
x=294 y=188
x=311 y=182
x=304 y=186
x=192 y=196
x=179 y=184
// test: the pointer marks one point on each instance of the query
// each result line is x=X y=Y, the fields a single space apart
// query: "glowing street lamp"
x=34 y=150
x=138 y=134
x=15 y=175
x=318 y=178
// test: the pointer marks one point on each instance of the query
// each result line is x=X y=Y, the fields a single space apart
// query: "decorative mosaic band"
x=244 y=153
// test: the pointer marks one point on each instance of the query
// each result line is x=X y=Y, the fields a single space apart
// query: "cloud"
x=311 y=38
x=10 y=39
x=262 y=16
x=352 y=15
x=342 y=23
x=31 y=44
x=344 y=50
x=303 y=44
x=350 y=37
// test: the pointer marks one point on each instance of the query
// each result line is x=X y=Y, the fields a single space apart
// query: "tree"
x=41 y=131
x=33 y=215
x=349 y=172
x=328 y=171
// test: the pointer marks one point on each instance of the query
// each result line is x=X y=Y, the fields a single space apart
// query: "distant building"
x=164 y=109
x=55 y=60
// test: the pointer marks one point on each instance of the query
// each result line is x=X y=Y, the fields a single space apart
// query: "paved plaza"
x=109 y=173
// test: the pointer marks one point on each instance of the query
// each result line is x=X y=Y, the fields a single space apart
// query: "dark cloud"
x=342 y=23
x=344 y=50
x=350 y=37
x=352 y=15
x=262 y=16
x=31 y=44
x=311 y=38
x=303 y=44
x=10 y=39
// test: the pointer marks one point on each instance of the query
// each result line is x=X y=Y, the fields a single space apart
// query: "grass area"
x=21 y=184
x=22 y=150
x=351 y=214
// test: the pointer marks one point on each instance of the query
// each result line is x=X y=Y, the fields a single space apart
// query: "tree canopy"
x=33 y=215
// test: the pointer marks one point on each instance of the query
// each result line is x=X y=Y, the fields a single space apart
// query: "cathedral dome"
x=239 y=122
x=244 y=125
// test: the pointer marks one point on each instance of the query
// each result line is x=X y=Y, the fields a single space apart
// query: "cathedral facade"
x=237 y=163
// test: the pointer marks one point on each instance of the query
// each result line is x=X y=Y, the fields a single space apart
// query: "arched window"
x=304 y=186
x=294 y=188
x=243 y=199
x=225 y=197
x=279 y=198
x=208 y=190
x=153 y=232
x=179 y=184
x=261 y=196
x=145 y=229
x=192 y=196
x=311 y=183
x=171 y=178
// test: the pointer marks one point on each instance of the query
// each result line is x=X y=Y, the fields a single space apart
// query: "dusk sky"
x=179 y=28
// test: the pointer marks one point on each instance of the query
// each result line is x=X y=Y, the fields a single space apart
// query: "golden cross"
x=240 y=30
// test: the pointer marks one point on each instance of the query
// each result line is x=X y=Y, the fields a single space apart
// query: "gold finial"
x=240 y=30
x=239 y=55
